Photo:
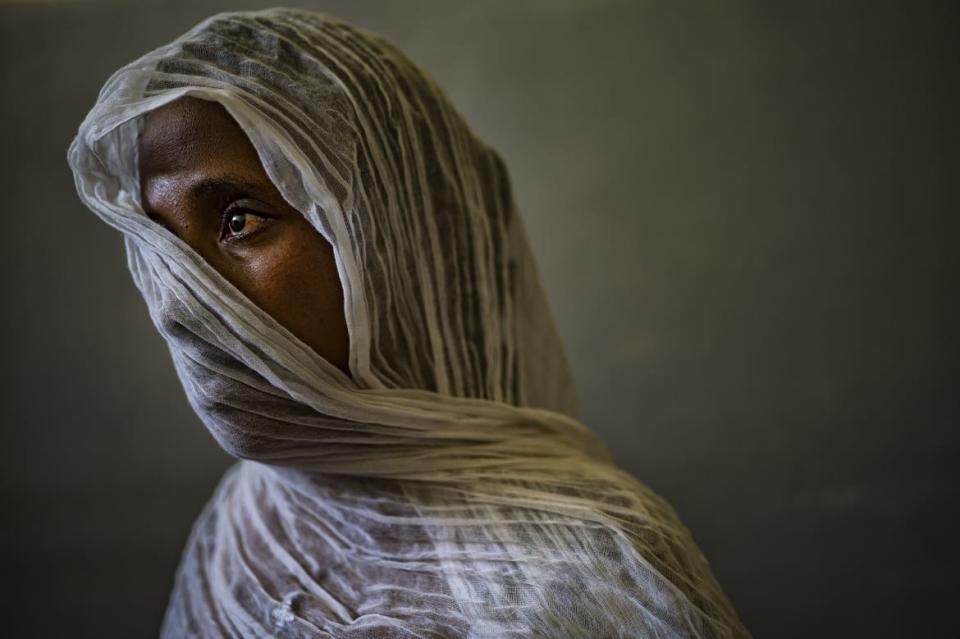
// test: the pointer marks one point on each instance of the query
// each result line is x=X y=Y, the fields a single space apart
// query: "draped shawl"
x=444 y=488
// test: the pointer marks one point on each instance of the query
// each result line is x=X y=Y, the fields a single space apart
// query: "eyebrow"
x=222 y=185
x=214 y=189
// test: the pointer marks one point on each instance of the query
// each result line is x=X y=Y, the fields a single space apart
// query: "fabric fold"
x=445 y=488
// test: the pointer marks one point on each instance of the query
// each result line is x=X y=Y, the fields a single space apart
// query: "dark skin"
x=200 y=177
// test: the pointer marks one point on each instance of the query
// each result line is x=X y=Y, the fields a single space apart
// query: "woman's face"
x=201 y=178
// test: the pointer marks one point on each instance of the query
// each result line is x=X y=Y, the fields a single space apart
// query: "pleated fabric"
x=445 y=487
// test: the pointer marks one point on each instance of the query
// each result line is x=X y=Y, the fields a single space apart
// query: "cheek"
x=295 y=280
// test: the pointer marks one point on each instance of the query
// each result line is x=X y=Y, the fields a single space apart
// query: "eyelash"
x=228 y=213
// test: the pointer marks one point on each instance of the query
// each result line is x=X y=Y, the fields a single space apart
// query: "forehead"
x=189 y=134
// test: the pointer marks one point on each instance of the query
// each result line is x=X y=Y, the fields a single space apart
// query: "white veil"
x=444 y=488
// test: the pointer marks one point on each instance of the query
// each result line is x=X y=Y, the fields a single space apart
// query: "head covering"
x=444 y=488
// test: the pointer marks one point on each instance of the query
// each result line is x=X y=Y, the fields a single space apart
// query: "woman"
x=343 y=280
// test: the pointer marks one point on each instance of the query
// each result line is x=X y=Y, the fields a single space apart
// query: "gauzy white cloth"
x=442 y=489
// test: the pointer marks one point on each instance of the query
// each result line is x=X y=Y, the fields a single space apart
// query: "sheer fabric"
x=444 y=488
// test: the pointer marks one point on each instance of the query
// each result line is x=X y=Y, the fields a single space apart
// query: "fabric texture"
x=444 y=488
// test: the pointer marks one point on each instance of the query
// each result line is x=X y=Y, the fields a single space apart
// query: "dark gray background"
x=743 y=213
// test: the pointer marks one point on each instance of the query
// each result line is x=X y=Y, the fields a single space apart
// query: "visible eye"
x=239 y=223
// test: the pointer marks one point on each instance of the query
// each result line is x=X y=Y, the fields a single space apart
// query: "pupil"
x=237 y=222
